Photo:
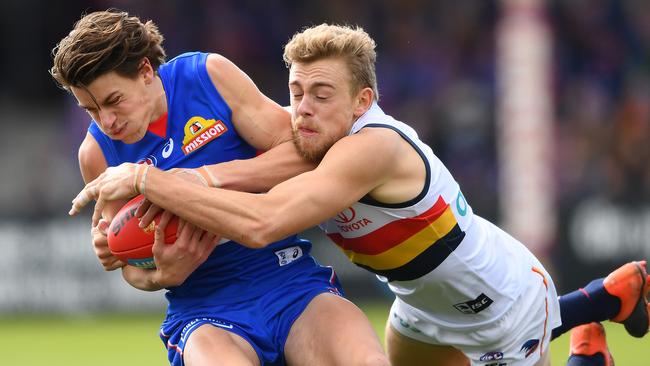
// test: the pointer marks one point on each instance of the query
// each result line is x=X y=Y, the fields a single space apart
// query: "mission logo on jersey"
x=199 y=131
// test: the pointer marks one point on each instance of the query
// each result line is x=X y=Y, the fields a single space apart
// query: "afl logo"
x=345 y=216
x=150 y=160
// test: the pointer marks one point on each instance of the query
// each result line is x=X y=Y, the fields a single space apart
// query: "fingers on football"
x=102 y=226
x=164 y=220
x=197 y=246
x=159 y=233
x=100 y=230
x=181 y=225
x=209 y=241
x=187 y=231
x=143 y=208
x=103 y=253
x=112 y=264
x=196 y=235
x=99 y=208
x=148 y=215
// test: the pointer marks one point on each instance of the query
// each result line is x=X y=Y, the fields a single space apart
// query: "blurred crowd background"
x=436 y=70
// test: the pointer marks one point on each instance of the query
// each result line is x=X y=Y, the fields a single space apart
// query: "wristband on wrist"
x=208 y=176
x=143 y=180
x=198 y=175
x=136 y=177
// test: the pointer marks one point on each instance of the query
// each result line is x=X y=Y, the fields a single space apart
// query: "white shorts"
x=519 y=338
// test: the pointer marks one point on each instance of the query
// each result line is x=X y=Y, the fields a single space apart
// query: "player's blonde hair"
x=102 y=42
x=325 y=40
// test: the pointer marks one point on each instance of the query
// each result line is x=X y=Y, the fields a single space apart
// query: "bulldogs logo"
x=199 y=131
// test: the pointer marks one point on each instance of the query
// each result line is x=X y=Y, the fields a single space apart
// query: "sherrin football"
x=132 y=244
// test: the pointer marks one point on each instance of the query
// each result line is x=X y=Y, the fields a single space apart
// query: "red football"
x=132 y=244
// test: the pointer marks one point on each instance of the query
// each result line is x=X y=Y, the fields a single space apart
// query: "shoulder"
x=217 y=60
x=220 y=68
x=385 y=139
x=235 y=87
x=373 y=149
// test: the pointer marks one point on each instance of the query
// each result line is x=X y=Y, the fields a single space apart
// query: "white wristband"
x=144 y=178
x=136 y=177
x=208 y=176
x=198 y=175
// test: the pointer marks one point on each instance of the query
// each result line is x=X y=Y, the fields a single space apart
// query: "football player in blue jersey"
x=228 y=304
x=464 y=288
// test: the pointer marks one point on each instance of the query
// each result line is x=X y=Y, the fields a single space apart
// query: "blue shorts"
x=263 y=320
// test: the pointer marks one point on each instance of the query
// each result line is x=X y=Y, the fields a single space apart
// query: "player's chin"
x=313 y=155
x=129 y=139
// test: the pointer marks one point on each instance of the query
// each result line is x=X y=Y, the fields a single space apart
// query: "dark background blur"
x=436 y=71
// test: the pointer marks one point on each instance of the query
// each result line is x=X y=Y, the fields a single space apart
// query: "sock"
x=581 y=360
x=590 y=304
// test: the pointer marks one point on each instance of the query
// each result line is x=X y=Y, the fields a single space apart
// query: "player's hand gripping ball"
x=133 y=244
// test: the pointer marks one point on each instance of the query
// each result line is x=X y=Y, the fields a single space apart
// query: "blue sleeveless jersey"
x=199 y=131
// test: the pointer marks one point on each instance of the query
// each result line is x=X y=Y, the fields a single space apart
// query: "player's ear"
x=363 y=101
x=146 y=70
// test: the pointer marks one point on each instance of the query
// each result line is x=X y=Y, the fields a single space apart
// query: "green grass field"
x=127 y=340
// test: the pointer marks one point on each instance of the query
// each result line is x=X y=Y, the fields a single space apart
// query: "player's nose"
x=107 y=119
x=304 y=107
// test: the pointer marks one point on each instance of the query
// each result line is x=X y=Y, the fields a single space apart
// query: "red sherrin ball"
x=132 y=244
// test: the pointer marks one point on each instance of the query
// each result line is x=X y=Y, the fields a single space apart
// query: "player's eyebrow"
x=320 y=84
x=106 y=99
x=109 y=97
x=317 y=84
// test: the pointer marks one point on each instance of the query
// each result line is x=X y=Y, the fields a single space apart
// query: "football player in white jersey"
x=465 y=290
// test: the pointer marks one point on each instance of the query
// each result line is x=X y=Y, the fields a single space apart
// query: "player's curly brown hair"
x=326 y=40
x=102 y=42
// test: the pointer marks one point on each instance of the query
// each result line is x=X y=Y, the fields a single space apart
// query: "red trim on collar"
x=159 y=126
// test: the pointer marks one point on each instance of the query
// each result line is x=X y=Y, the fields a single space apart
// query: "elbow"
x=261 y=234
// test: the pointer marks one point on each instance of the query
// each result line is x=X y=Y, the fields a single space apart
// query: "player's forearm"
x=263 y=172
x=224 y=212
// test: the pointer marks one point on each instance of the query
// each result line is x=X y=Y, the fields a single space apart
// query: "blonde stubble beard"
x=312 y=155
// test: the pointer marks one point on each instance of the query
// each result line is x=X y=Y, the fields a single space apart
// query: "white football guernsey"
x=451 y=267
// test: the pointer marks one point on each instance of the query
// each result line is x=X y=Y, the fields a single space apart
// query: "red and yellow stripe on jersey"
x=407 y=248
